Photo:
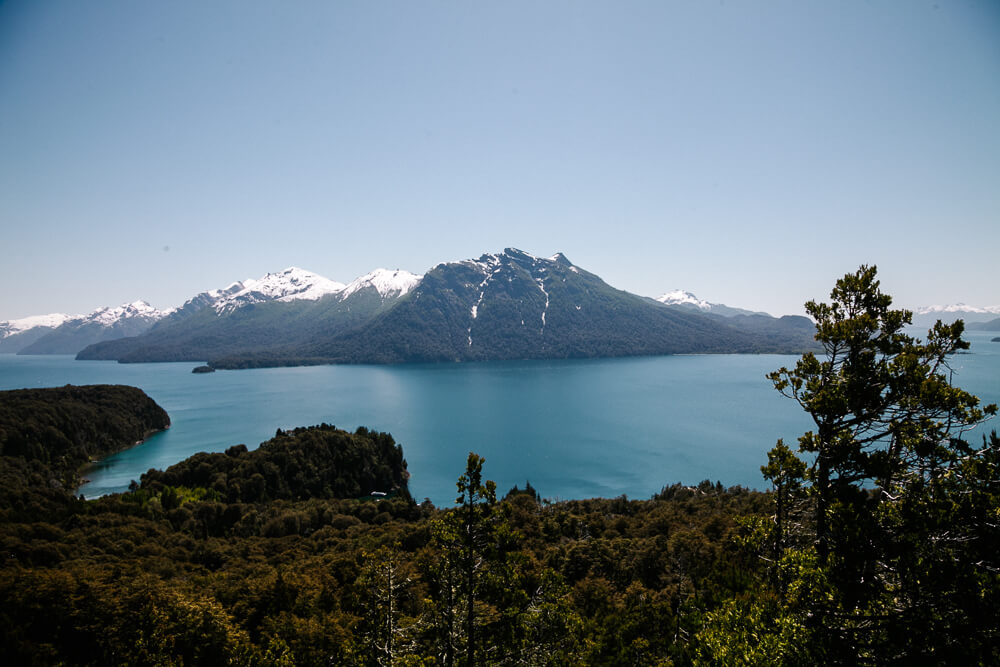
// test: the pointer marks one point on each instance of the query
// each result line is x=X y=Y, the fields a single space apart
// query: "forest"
x=876 y=543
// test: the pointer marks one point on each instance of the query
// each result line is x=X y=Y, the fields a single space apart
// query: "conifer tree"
x=468 y=536
x=886 y=463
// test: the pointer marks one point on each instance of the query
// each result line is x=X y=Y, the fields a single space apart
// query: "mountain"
x=388 y=284
x=282 y=309
x=292 y=284
x=992 y=325
x=681 y=299
x=105 y=323
x=18 y=334
x=514 y=305
x=928 y=315
x=61 y=334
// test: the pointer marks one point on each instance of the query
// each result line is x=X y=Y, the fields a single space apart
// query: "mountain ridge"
x=926 y=316
x=108 y=322
x=515 y=305
x=509 y=304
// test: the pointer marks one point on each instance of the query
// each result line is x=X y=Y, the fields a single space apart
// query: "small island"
x=203 y=369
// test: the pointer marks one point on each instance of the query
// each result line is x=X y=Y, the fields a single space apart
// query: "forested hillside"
x=182 y=575
x=317 y=462
x=64 y=427
x=198 y=332
x=878 y=543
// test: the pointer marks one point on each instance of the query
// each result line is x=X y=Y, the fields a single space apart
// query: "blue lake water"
x=575 y=429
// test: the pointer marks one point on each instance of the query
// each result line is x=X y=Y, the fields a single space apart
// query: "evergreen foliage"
x=880 y=550
x=878 y=544
x=183 y=574
x=65 y=427
x=317 y=462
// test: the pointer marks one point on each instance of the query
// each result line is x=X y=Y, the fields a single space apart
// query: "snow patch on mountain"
x=490 y=266
x=387 y=283
x=541 y=286
x=494 y=265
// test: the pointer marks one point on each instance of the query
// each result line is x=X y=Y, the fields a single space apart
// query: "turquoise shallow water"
x=575 y=429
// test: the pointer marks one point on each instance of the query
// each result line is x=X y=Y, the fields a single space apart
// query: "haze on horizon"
x=748 y=152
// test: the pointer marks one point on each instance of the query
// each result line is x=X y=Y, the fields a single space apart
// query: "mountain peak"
x=289 y=285
x=682 y=299
x=107 y=315
x=518 y=253
x=387 y=283
x=679 y=297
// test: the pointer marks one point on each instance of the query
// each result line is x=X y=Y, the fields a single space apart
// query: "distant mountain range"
x=75 y=333
x=973 y=316
x=508 y=305
x=242 y=321
x=15 y=335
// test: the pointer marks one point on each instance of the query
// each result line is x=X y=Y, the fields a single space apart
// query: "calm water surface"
x=575 y=429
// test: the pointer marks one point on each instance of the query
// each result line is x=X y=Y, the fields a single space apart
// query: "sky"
x=750 y=151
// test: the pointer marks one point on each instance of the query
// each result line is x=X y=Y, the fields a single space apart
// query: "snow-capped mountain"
x=927 y=315
x=506 y=305
x=388 y=284
x=292 y=284
x=295 y=284
x=959 y=308
x=18 y=334
x=109 y=316
x=683 y=299
x=679 y=297
x=515 y=305
x=51 y=321
x=105 y=323
x=70 y=334
x=281 y=309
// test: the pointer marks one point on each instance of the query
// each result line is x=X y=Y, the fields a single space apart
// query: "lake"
x=575 y=429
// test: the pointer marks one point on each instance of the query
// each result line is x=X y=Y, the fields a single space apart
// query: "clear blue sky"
x=749 y=151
